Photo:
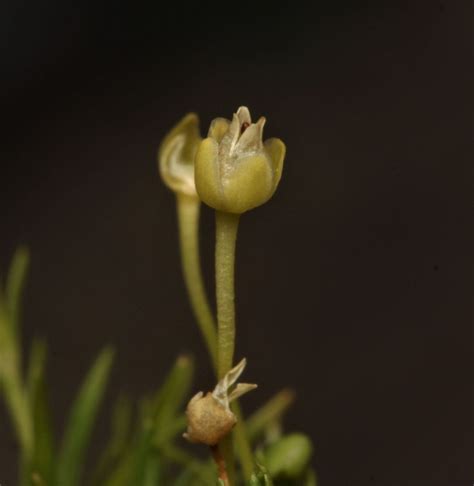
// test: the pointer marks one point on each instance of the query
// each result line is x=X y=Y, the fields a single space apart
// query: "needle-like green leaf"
x=41 y=466
x=11 y=383
x=167 y=402
x=152 y=472
x=14 y=286
x=261 y=477
x=81 y=421
x=269 y=413
x=159 y=422
x=120 y=434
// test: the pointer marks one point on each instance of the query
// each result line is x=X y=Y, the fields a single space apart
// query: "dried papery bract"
x=177 y=153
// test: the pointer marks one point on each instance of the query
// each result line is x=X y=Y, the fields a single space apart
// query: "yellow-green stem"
x=188 y=220
x=226 y=234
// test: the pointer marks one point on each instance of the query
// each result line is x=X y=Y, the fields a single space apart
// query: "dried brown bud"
x=208 y=420
x=209 y=416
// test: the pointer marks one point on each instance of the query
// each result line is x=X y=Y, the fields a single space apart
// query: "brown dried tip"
x=244 y=127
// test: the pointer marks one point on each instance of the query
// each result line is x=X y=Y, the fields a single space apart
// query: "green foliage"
x=269 y=414
x=290 y=465
x=81 y=420
x=289 y=456
x=41 y=465
x=15 y=285
x=26 y=397
x=121 y=423
x=150 y=452
x=11 y=381
x=261 y=478
x=145 y=446
x=142 y=448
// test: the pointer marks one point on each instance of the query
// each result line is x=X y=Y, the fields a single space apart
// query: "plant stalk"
x=227 y=225
x=188 y=208
x=221 y=465
x=226 y=234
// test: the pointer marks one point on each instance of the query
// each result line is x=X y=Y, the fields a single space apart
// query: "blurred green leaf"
x=11 y=383
x=159 y=422
x=289 y=456
x=152 y=472
x=169 y=399
x=41 y=465
x=261 y=477
x=187 y=477
x=254 y=481
x=140 y=461
x=204 y=473
x=122 y=473
x=143 y=450
x=161 y=412
x=268 y=414
x=169 y=431
x=9 y=365
x=311 y=479
x=116 y=447
x=81 y=420
x=260 y=480
x=14 y=286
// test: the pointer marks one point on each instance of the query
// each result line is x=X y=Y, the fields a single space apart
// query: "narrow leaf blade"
x=81 y=420
x=41 y=465
x=15 y=285
x=117 y=445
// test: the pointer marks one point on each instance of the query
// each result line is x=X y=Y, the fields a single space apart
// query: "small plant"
x=232 y=171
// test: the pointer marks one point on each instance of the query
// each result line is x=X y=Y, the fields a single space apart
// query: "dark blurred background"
x=352 y=283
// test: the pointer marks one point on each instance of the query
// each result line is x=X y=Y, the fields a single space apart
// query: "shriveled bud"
x=208 y=420
x=209 y=416
x=234 y=170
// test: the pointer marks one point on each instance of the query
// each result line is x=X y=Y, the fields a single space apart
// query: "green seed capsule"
x=235 y=170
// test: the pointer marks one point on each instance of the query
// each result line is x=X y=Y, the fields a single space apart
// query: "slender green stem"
x=226 y=234
x=188 y=219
